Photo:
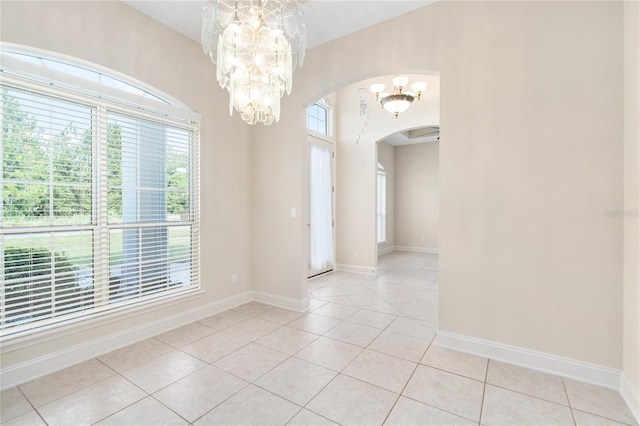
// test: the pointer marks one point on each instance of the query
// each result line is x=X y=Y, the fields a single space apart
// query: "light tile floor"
x=362 y=355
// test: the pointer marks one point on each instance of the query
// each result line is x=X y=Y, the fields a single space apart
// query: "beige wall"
x=528 y=257
x=417 y=207
x=386 y=157
x=631 y=291
x=530 y=90
x=116 y=36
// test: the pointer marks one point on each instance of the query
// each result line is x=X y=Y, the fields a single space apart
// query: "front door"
x=321 y=255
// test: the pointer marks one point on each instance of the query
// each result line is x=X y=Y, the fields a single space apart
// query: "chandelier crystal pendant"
x=399 y=100
x=256 y=45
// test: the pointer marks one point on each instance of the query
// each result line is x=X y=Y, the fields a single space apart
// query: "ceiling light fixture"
x=398 y=101
x=256 y=45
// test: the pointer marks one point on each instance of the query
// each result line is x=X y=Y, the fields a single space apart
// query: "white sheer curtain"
x=321 y=214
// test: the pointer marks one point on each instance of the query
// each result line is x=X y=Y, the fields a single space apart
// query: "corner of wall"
x=630 y=380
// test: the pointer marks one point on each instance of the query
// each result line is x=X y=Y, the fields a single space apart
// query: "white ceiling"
x=326 y=19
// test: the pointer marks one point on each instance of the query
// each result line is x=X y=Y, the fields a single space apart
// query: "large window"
x=99 y=184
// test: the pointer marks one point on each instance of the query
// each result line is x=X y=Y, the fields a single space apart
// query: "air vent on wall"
x=422 y=132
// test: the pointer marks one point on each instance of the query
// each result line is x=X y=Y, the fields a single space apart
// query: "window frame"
x=325 y=105
x=164 y=110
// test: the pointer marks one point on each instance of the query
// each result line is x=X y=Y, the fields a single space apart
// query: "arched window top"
x=323 y=101
x=100 y=184
x=89 y=79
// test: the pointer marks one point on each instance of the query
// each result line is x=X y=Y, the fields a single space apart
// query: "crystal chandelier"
x=256 y=45
x=399 y=100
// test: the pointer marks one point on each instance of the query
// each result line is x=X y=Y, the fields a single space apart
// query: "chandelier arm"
x=399 y=100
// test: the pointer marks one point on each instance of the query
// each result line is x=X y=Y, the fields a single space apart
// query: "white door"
x=321 y=255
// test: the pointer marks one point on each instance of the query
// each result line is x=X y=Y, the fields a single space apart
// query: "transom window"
x=318 y=117
x=99 y=185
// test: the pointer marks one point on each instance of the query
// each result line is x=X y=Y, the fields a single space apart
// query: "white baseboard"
x=47 y=364
x=565 y=367
x=281 y=301
x=367 y=270
x=385 y=250
x=631 y=396
x=417 y=249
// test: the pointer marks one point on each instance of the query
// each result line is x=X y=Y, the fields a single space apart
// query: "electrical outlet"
x=234 y=279
x=356 y=254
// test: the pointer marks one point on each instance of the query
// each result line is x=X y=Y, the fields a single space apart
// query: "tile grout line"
x=566 y=394
x=572 y=409
x=168 y=408
x=221 y=402
x=33 y=407
x=37 y=409
x=484 y=391
x=427 y=404
x=128 y=405
x=407 y=383
x=18 y=387
x=529 y=395
x=438 y=408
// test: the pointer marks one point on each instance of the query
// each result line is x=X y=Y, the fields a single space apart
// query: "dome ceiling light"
x=399 y=100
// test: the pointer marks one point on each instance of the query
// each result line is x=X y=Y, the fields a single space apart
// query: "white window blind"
x=100 y=206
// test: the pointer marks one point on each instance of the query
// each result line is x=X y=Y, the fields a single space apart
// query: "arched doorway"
x=357 y=163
